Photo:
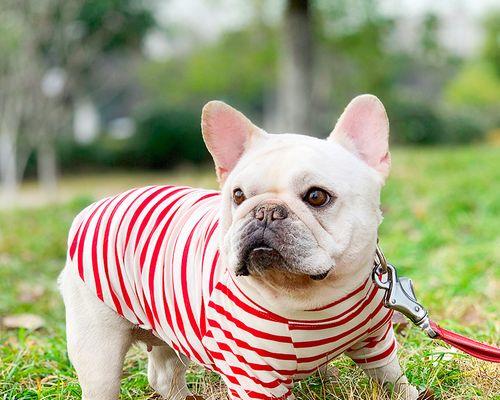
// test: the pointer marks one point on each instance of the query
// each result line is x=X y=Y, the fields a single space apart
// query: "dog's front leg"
x=376 y=355
x=392 y=374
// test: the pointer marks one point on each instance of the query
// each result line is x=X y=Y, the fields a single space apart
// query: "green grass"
x=442 y=228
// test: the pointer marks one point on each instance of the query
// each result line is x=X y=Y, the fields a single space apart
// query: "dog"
x=264 y=282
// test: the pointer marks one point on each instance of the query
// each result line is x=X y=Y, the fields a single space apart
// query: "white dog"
x=264 y=282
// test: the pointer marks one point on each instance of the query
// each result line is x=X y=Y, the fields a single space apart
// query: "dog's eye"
x=317 y=197
x=238 y=196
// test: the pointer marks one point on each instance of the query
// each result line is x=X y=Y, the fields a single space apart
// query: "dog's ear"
x=227 y=134
x=363 y=128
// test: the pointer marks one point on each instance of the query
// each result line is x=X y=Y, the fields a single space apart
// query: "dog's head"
x=299 y=213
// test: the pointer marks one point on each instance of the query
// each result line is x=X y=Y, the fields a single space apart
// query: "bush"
x=420 y=123
x=165 y=138
x=462 y=128
x=415 y=123
x=105 y=152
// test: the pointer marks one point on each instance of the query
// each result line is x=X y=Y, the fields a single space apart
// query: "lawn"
x=441 y=228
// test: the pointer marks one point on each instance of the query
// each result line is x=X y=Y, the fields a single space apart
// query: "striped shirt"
x=151 y=254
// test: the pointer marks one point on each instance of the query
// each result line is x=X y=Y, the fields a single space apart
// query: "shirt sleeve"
x=376 y=350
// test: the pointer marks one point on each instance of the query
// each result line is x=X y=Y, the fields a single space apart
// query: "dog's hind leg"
x=97 y=338
x=167 y=373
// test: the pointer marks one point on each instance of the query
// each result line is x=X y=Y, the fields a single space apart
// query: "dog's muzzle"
x=263 y=257
x=262 y=239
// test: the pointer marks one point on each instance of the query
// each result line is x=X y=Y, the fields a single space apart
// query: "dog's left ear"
x=363 y=128
x=227 y=134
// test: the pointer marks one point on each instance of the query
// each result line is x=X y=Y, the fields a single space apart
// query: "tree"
x=52 y=48
x=295 y=68
x=19 y=91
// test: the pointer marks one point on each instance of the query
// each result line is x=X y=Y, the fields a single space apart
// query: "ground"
x=441 y=228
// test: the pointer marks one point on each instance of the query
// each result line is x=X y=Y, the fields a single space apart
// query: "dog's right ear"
x=227 y=134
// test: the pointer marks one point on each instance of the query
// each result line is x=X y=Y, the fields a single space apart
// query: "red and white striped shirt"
x=151 y=254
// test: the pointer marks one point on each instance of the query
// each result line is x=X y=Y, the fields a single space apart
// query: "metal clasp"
x=400 y=295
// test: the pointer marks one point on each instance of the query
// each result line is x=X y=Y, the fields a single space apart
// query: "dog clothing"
x=151 y=254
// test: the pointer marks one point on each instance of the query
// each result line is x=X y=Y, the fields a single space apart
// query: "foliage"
x=429 y=41
x=440 y=228
x=104 y=153
x=463 y=127
x=477 y=84
x=239 y=68
x=125 y=23
x=11 y=33
x=53 y=51
x=491 y=48
x=164 y=138
x=167 y=137
x=414 y=122
x=354 y=32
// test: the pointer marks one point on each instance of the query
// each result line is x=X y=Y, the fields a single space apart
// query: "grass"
x=442 y=228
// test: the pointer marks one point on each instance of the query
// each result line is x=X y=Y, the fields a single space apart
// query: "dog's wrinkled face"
x=298 y=212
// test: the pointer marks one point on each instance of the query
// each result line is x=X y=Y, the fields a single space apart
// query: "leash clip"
x=400 y=294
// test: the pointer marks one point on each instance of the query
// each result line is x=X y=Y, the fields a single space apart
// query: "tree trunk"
x=295 y=69
x=47 y=165
x=8 y=163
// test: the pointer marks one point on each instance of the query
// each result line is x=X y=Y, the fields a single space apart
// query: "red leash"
x=400 y=296
x=476 y=349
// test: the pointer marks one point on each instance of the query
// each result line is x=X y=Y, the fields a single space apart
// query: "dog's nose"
x=270 y=212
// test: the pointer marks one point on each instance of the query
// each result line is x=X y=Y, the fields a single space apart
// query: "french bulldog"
x=263 y=282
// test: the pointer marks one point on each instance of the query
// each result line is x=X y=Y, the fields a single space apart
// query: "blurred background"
x=95 y=86
x=98 y=96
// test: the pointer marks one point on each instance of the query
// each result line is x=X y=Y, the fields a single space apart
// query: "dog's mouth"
x=262 y=257
x=259 y=258
x=319 y=277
